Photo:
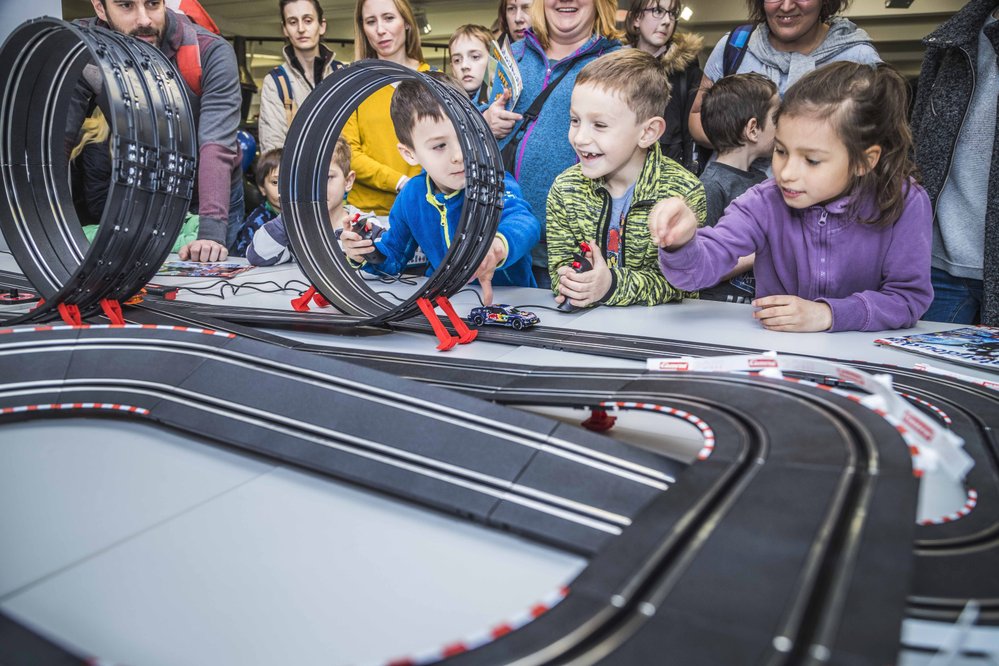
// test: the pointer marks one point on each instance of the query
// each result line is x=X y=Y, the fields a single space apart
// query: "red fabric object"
x=189 y=64
x=447 y=341
x=193 y=10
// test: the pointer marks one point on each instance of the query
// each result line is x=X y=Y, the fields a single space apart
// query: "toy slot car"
x=502 y=315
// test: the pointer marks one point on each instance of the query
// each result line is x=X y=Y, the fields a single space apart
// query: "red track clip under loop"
x=320 y=300
x=465 y=334
x=112 y=309
x=446 y=339
x=301 y=304
x=70 y=314
x=599 y=421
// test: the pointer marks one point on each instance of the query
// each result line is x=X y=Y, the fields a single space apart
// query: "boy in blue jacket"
x=427 y=210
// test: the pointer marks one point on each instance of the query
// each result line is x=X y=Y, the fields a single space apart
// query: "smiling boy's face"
x=436 y=149
x=608 y=139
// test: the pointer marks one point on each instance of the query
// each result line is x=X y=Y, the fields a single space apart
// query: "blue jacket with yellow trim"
x=422 y=216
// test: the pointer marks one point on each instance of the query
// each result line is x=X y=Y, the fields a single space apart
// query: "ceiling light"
x=686 y=13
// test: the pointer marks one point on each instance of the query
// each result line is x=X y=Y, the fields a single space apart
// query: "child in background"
x=266 y=174
x=428 y=208
x=270 y=244
x=737 y=114
x=842 y=234
x=469 y=47
x=615 y=121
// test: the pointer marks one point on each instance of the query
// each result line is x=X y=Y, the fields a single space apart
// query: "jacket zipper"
x=824 y=270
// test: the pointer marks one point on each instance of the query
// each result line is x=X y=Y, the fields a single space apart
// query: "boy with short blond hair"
x=607 y=198
x=428 y=208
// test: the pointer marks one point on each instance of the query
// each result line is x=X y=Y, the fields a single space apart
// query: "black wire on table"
x=220 y=285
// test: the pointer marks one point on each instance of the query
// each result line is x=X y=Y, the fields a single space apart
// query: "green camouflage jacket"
x=579 y=210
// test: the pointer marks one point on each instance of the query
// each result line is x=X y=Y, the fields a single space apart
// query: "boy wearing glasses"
x=651 y=27
x=606 y=200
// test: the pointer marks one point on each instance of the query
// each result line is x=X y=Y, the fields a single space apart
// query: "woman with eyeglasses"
x=789 y=39
x=651 y=27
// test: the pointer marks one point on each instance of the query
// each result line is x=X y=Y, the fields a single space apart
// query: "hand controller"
x=366 y=229
x=580 y=264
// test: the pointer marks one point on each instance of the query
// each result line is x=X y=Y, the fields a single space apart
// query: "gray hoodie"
x=844 y=41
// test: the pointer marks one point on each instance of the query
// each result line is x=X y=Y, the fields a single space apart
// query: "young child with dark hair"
x=266 y=175
x=269 y=245
x=606 y=200
x=737 y=114
x=842 y=234
x=427 y=210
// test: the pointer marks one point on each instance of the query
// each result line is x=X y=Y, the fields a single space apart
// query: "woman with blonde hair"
x=563 y=37
x=383 y=30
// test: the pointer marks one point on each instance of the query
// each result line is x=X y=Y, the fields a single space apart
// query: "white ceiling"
x=896 y=31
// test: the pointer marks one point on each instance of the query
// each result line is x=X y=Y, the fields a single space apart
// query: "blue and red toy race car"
x=502 y=315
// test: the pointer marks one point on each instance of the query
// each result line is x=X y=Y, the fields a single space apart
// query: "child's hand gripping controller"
x=580 y=264
x=366 y=229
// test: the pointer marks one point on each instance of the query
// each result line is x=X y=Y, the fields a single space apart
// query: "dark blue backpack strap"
x=735 y=48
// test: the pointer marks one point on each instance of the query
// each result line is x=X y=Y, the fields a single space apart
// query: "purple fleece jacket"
x=874 y=278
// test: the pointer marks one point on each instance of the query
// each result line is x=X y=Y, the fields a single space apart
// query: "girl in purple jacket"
x=842 y=233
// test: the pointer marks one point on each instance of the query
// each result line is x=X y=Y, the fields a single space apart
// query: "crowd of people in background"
x=790 y=171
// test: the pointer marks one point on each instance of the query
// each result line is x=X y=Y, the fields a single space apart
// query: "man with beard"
x=208 y=67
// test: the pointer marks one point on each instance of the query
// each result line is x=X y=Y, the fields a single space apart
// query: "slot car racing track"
x=830 y=579
x=957 y=559
x=789 y=540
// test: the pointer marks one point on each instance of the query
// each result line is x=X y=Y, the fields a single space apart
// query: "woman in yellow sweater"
x=386 y=30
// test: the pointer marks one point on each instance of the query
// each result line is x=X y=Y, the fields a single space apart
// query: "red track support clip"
x=447 y=341
x=70 y=314
x=465 y=334
x=112 y=310
x=599 y=421
x=301 y=304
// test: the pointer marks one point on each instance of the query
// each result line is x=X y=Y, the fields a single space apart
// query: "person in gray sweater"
x=954 y=125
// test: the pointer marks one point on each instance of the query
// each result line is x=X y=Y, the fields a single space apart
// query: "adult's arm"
x=218 y=155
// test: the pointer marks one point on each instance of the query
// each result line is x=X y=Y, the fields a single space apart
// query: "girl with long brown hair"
x=842 y=233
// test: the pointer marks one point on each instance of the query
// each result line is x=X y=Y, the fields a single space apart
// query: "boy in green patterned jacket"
x=606 y=200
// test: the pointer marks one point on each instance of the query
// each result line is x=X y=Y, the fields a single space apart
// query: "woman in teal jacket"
x=558 y=42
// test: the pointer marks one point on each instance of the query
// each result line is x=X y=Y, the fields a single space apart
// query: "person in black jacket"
x=954 y=124
x=651 y=27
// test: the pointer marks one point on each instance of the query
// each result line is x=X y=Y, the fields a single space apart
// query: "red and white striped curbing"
x=485 y=637
x=706 y=432
x=107 y=406
x=969 y=506
x=930 y=406
x=931 y=444
x=64 y=327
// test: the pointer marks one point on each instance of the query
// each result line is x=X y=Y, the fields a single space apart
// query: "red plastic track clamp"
x=447 y=341
x=465 y=334
x=599 y=421
x=70 y=314
x=112 y=310
x=301 y=304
